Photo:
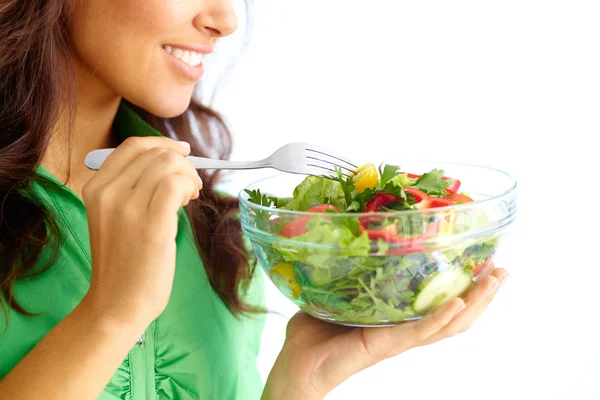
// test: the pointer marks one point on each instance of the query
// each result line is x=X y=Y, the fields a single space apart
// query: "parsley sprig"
x=256 y=197
x=432 y=183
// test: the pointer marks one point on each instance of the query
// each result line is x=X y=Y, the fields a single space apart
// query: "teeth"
x=191 y=58
x=186 y=57
x=177 y=53
x=192 y=61
x=196 y=59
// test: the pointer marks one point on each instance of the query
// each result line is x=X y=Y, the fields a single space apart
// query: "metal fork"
x=295 y=158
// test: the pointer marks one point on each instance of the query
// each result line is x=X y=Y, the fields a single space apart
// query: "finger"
x=156 y=158
x=487 y=268
x=433 y=323
x=172 y=192
x=381 y=343
x=481 y=306
x=164 y=163
x=132 y=173
x=134 y=147
x=480 y=293
x=476 y=302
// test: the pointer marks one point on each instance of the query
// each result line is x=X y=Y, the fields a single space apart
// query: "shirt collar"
x=128 y=123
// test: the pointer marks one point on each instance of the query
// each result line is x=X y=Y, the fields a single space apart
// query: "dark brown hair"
x=35 y=83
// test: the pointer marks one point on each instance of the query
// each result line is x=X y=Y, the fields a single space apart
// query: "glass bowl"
x=341 y=273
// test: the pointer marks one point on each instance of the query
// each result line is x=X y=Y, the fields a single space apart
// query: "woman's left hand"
x=318 y=356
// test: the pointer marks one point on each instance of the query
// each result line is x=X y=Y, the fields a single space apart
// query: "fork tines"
x=326 y=160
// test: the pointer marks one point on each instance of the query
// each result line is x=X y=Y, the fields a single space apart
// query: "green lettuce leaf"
x=281 y=201
x=386 y=174
x=324 y=265
x=313 y=191
x=403 y=180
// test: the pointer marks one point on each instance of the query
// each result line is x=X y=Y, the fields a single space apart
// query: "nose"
x=217 y=18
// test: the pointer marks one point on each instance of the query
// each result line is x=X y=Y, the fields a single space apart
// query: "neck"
x=87 y=127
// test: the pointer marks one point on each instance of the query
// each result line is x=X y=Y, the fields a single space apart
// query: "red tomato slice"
x=322 y=208
x=297 y=227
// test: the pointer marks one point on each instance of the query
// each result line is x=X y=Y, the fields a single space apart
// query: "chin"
x=171 y=110
x=165 y=105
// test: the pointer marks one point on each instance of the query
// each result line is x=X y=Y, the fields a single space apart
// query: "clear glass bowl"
x=428 y=257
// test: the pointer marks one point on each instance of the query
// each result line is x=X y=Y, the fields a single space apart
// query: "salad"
x=373 y=248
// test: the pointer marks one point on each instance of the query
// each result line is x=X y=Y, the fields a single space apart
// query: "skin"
x=117 y=54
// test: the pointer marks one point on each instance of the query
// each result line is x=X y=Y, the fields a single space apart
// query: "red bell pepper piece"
x=412 y=244
x=415 y=244
x=380 y=200
x=389 y=233
x=453 y=188
x=417 y=194
x=460 y=198
x=434 y=202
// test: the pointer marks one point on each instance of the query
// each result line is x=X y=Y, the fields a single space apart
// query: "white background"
x=509 y=84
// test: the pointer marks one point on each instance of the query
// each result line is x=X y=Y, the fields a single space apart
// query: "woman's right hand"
x=132 y=205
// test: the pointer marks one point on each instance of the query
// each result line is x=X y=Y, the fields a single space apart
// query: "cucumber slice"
x=440 y=288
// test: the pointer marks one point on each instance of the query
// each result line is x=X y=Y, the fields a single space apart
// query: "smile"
x=188 y=57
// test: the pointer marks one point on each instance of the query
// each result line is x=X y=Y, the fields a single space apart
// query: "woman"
x=109 y=289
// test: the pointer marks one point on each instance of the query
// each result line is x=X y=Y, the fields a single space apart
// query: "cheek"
x=118 y=42
x=114 y=34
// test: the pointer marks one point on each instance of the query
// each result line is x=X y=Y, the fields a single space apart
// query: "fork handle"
x=211 y=163
x=96 y=158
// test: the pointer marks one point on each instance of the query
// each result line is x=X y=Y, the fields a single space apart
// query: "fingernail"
x=184 y=144
x=493 y=287
x=459 y=309
x=504 y=278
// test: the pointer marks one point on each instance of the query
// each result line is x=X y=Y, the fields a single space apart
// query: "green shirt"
x=196 y=349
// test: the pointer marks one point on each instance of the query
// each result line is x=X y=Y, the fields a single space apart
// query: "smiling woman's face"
x=149 y=51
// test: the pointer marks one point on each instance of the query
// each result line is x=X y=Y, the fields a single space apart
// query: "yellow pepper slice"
x=283 y=277
x=365 y=177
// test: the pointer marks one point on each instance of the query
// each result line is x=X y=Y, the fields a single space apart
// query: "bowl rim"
x=431 y=211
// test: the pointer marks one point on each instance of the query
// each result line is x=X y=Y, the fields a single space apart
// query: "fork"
x=295 y=158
